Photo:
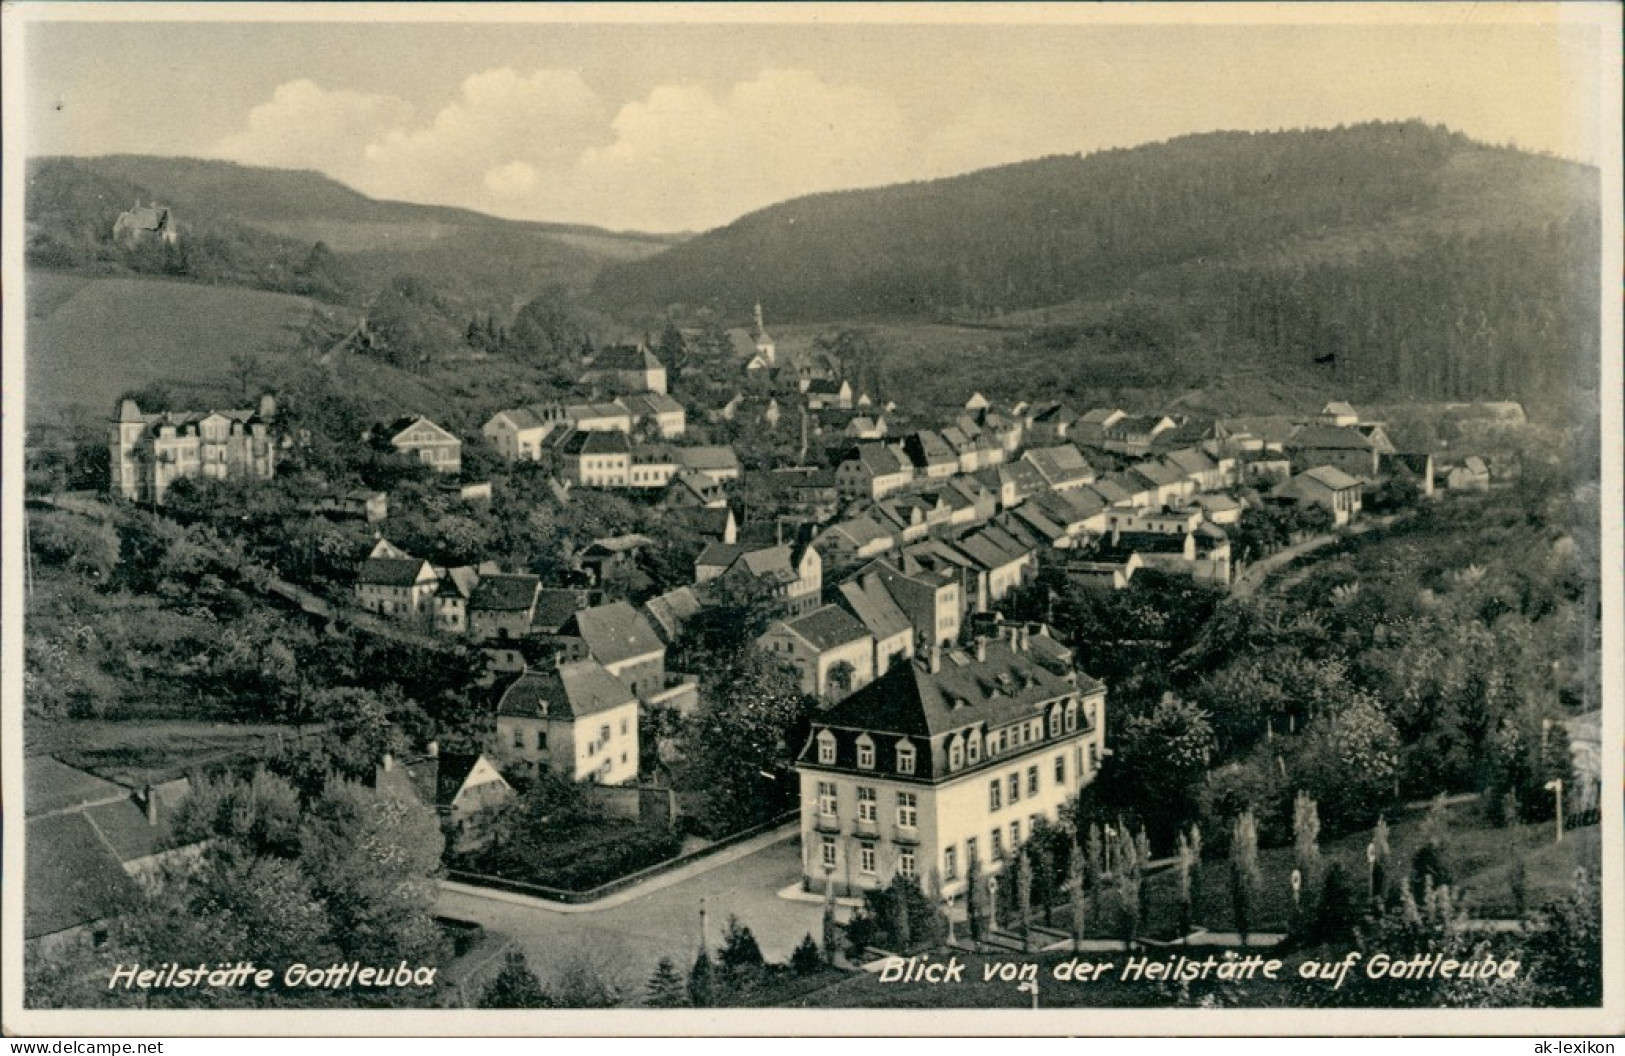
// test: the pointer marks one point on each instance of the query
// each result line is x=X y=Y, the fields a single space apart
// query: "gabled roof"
x=927 y=447
x=73 y=878
x=1330 y=437
x=1117 y=488
x=827 y=387
x=619 y=544
x=401 y=426
x=1060 y=464
x=704 y=520
x=862 y=530
x=1217 y=502
x=992 y=548
x=867 y=598
x=125 y=827
x=1474 y=464
x=614 y=632
x=1029 y=516
x=1121 y=544
x=773 y=562
x=626 y=357
x=912 y=701
x=1332 y=477
x=703 y=486
x=507 y=592
x=598 y=442
x=554 y=607
x=828 y=627
x=50 y=786
x=394 y=571
x=670 y=611
x=718 y=555
x=520 y=418
x=1339 y=408
x=1190 y=461
x=879 y=459
x=1157 y=472
x=572 y=690
x=714 y=457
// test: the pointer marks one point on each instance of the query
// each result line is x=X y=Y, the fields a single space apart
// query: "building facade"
x=149 y=452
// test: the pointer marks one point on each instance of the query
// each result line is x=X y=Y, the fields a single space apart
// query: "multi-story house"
x=932 y=598
x=149 y=452
x=945 y=761
x=621 y=639
x=1000 y=562
x=832 y=652
x=657 y=413
x=435 y=447
x=873 y=471
x=1357 y=453
x=575 y=719
x=719 y=462
x=867 y=598
x=1325 y=486
x=1062 y=466
x=518 y=434
x=502 y=606
x=931 y=454
x=391 y=582
x=853 y=540
x=626 y=368
x=597 y=459
x=653 y=467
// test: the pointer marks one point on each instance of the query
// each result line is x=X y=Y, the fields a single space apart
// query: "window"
x=623 y=727
x=1004 y=736
x=866 y=857
x=997 y=844
x=1015 y=787
x=1060 y=769
x=956 y=754
x=866 y=804
x=541 y=738
x=603 y=734
x=1071 y=715
x=1035 y=821
x=826 y=748
x=905 y=864
x=1094 y=758
x=519 y=738
x=1032 y=780
x=993 y=787
x=828 y=856
x=950 y=864
x=970 y=850
x=1055 y=723
x=866 y=753
x=905 y=758
x=1015 y=835
x=973 y=747
x=907 y=810
x=828 y=802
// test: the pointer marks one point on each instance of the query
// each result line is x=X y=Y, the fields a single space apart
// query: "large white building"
x=953 y=757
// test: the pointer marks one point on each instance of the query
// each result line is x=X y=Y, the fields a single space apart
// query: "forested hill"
x=256 y=227
x=1419 y=259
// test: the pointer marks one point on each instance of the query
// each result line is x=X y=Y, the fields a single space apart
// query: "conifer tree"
x=1244 y=875
x=666 y=987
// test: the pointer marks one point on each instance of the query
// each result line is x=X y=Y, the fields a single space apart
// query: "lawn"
x=89 y=340
x=138 y=752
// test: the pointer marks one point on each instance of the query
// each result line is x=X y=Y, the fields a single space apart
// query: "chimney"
x=388 y=763
x=936 y=657
x=981 y=649
x=1023 y=633
x=151 y=804
x=432 y=749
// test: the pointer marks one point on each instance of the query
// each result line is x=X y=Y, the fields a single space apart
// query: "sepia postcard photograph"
x=812 y=519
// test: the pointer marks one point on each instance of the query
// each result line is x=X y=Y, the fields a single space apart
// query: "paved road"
x=1255 y=574
x=626 y=941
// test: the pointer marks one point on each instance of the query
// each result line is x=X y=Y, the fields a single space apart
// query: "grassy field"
x=135 y=753
x=90 y=339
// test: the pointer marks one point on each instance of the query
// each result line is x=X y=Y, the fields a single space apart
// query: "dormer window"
x=1071 y=715
x=1055 y=722
x=866 y=753
x=956 y=753
x=905 y=758
x=826 y=748
x=973 y=747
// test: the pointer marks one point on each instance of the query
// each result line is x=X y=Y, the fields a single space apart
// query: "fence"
x=576 y=898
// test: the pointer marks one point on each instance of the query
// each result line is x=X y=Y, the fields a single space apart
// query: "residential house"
x=149 y=452
x=930 y=454
x=1164 y=483
x=668 y=613
x=451 y=598
x=518 y=434
x=1133 y=434
x=1219 y=508
x=867 y=598
x=832 y=393
x=1100 y=573
x=1063 y=466
x=1050 y=423
x=831 y=650
x=691 y=489
x=1325 y=486
x=715 y=523
x=942 y=762
x=1204 y=473
x=931 y=596
x=1013 y=482
x=626 y=368
x=360 y=504
x=594 y=459
x=1090 y=428
x=619 y=637
x=977 y=402
x=854 y=539
x=794 y=573
x=656 y=413
x=1074 y=512
x=1158 y=520
x=873 y=471
x=612 y=555
x=463 y=788
x=391 y=583
x=575 y=719
x=1350 y=450
x=435 y=447
x=813 y=494
x=503 y=606
x=718 y=462
x=653 y=467
x=1116 y=490
x=1001 y=564
x=866 y=427
x=1338 y=415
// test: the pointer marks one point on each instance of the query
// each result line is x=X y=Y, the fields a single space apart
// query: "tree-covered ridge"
x=1420 y=260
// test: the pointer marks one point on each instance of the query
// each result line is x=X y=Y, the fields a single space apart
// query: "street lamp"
x=992 y=903
x=948 y=908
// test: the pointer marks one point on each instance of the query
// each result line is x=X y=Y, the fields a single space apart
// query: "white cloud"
x=545 y=145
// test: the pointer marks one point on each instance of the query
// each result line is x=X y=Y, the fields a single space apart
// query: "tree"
x=84 y=547
x=1433 y=864
x=806 y=958
x=974 y=921
x=1075 y=886
x=1165 y=756
x=666 y=988
x=1348 y=762
x=1244 y=875
x=701 y=987
x=1306 y=856
x=1379 y=852
x=739 y=956
x=515 y=986
x=1024 y=896
x=1187 y=917
x=260 y=815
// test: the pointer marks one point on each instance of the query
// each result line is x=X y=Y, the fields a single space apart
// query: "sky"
x=673 y=118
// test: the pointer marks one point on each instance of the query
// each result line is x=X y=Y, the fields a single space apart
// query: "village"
x=895 y=568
